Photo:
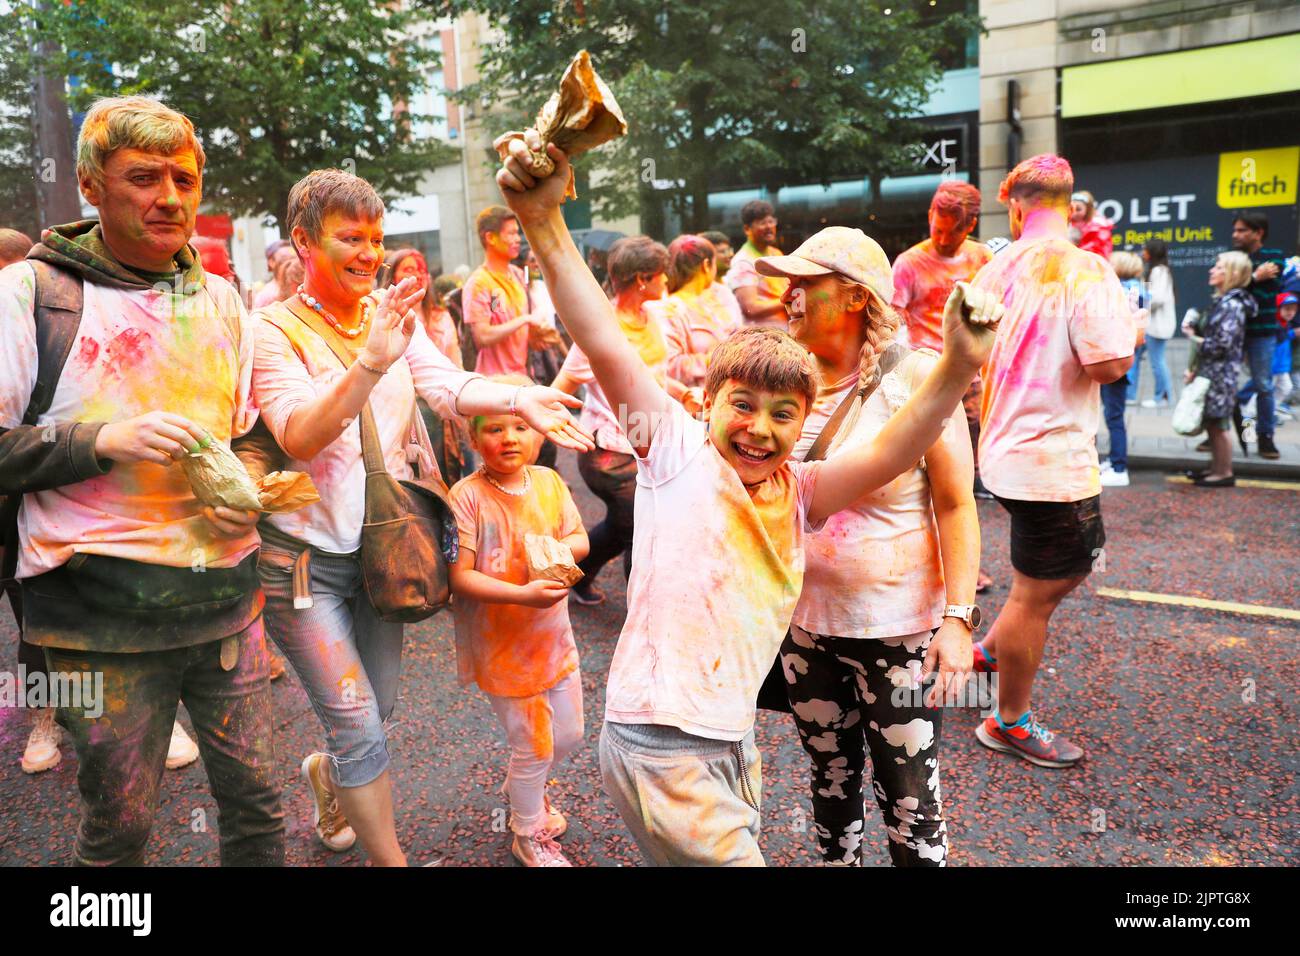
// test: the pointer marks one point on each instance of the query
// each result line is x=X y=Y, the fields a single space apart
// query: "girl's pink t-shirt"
x=511 y=650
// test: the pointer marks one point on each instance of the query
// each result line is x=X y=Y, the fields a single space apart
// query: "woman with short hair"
x=347 y=658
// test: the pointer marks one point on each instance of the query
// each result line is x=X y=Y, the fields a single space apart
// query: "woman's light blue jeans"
x=347 y=658
x=1155 y=350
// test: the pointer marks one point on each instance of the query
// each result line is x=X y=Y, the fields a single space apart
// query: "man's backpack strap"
x=57 y=314
x=60 y=298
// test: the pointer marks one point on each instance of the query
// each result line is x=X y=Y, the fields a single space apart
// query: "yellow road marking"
x=1243 y=483
x=1183 y=600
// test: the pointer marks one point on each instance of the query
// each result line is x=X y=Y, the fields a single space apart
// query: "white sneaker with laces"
x=540 y=849
x=42 y=751
x=1114 y=479
x=182 y=751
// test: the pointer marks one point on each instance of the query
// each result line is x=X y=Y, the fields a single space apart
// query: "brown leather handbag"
x=408 y=535
x=408 y=538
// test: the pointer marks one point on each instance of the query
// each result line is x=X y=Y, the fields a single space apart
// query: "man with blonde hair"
x=123 y=358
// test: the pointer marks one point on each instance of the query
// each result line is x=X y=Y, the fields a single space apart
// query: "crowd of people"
x=772 y=436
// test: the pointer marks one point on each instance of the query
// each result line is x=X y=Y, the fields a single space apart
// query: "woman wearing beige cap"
x=889 y=589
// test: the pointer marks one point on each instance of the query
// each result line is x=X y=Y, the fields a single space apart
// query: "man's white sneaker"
x=182 y=751
x=1114 y=479
x=42 y=752
x=331 y=825
x=1155 y=403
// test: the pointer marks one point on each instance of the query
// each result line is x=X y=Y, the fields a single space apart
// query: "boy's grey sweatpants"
x=688 y=800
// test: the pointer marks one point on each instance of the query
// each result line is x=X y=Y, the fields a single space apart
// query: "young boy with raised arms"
x=718 y=550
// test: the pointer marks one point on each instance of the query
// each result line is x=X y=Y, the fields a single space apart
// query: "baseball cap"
x=849 y=252
x=1287 y=298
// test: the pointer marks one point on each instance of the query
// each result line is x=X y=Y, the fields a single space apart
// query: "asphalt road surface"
x=1188 y=716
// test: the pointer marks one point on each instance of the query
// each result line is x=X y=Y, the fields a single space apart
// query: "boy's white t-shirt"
x=715 y=578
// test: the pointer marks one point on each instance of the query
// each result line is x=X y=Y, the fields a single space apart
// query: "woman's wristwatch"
x=969 y=613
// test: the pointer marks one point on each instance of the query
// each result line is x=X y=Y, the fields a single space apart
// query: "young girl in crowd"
x=694 y=317
x=513 y=636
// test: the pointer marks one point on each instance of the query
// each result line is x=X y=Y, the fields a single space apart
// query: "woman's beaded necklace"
x=367 y=310
x=528 y=483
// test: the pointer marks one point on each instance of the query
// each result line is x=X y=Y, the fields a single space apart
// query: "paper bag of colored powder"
x=581 y=115
x=283 y=491
x=219 y=479
x=550 y=560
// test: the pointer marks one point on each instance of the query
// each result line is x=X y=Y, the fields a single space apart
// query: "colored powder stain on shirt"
x=874 y=570
x=1040 y=410
x=923 y=280
x=491 y=298
x=132 y=359
x=733 y=557
x=87 y=351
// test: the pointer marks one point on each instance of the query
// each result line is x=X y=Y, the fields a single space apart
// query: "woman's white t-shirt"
x=874 y=570
x=293 y=365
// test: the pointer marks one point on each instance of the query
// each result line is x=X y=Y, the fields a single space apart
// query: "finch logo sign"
x=77 y=909
x=1258 y=177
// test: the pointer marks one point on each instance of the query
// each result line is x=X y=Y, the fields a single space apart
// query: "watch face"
x=975 y=617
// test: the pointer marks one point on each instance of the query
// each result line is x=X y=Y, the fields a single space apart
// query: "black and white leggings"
x=843 y=692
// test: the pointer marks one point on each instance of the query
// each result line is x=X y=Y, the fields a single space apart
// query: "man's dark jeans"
x=611 y=478
x=123 y=751
x=1113 y=397
x=1259 y=361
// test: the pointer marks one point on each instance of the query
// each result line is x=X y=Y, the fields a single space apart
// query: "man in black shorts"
x=1068 y=328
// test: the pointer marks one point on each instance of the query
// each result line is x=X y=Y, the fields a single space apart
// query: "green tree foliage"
x=276 y=88
x=17 y=169
x=772 y=93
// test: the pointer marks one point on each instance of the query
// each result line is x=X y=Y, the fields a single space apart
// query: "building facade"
x=1175 y=114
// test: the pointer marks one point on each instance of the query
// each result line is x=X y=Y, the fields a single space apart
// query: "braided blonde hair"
x=882 y=321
